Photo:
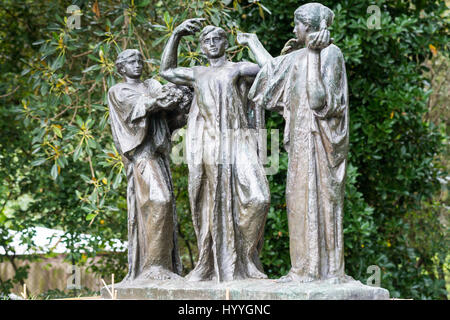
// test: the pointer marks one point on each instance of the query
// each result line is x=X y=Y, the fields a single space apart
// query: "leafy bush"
x=57 y=145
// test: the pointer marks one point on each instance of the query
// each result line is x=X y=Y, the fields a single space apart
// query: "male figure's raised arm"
x=248 y=69
x=169 y=69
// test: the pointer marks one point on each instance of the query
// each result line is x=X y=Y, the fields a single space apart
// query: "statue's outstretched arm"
x=169 y=69
x=248 y=69
x=262 y=56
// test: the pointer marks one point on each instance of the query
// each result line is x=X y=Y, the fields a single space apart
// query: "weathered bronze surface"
x=228 y=189
x=248 y=289
x=309 y=87
x=142 y=115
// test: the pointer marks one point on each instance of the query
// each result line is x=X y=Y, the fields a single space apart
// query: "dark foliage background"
x=59 y=167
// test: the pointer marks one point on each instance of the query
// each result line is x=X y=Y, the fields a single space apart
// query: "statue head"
x=311 y=17
x=129 y=63
x=213 y=42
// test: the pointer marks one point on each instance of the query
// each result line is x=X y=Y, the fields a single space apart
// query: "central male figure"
x=228 y=190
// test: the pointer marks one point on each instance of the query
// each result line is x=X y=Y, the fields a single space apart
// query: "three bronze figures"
x=228 y=190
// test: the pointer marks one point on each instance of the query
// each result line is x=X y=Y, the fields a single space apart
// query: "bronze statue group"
x=228 y=190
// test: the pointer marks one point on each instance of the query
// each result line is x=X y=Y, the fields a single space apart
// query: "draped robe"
x=142 y=137
x=317 y=144
x=228 y=190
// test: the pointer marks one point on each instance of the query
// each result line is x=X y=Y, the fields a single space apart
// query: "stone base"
x=251 y=289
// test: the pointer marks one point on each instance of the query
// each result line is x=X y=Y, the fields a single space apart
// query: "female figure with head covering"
x=309 y=87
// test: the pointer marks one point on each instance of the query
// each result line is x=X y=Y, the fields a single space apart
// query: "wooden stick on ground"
x=112 y=292
x=112 y=286
x=24 y=293
x=106 y=286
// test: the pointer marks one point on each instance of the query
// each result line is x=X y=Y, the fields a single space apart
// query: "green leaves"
x=77 y=152
x=92 y=68
x=143 y=3
x=57 y=145
x=90 y=216
x=58 y=62
x=38 y=162
x=54 y=171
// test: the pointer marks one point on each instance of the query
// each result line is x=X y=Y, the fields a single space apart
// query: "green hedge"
x=57 y=145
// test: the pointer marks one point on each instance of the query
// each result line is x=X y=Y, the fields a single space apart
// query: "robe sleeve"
x=271 y=89
x=127 y=117
x=333 y=118
x=335 y=83
x=153 y=87
x=143 y=106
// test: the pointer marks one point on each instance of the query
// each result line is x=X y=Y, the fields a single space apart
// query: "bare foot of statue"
x=254 y=272
x=332 y=279
x=200 y=275
x=338 y=279
x=127 y=278
x=292 y=277
x=158 y=273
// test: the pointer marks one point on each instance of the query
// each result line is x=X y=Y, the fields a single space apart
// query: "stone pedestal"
x=251 y=289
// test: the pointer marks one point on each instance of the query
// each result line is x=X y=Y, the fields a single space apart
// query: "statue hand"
x=319 y=40
x=166 y=104
x=292 y=44
x=245 y=38
x=189 y=27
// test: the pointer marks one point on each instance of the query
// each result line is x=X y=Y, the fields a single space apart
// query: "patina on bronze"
x=228 y=189
x=309 y=87
x=142 y=115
